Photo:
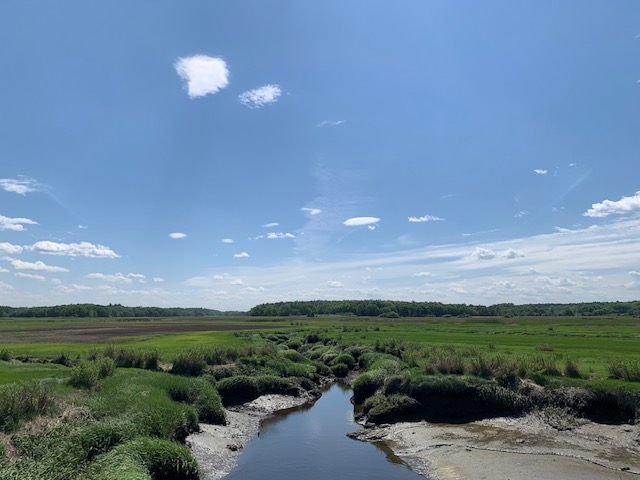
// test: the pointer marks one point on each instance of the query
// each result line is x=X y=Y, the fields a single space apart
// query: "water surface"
x=310 y=443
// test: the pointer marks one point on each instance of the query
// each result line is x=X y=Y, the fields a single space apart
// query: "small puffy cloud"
x=360 y=221
x=311 y=211
x=82 y=249
x=241 y=255
x=371 y=227
x=158 y=279
x=177 y=235
x=633 y=273
x=40 y=266
x=227 y=240
x=271 y=225
x=259 y=97
x=330 y=123
x=521 y=213
x=238 y=281
x=540 y=171
x=3 y=270
x=425 y=218
x=203 y=74
x=280 y=235
x=31 y=276
x=137 y=276
x=335 y=284
x=511 y=253
x=9 y=248
x=20 y=185
x=483 y=254
x=573 y=164
x=15 y=224
x=423 y=274
x=609 y=207
x=117 y=278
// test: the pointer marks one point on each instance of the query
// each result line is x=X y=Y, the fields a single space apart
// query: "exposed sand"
x=217 y=447
x=514 y=448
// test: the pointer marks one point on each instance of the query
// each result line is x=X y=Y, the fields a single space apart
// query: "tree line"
x=392 y=308
x=90 y=310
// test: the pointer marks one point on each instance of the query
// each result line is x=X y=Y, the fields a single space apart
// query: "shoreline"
x=529 y=447
x=217 y=447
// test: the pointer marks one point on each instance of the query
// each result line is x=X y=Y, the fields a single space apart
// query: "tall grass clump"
x=87 y=374
x=5 y=354
x=243 y=388
x=23 y=401
x=624 y=370
x=123 y=357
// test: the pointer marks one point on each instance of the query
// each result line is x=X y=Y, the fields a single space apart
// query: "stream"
x=310 y=443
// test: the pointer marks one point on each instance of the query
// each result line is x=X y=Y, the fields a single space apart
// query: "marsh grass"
x=23 y=401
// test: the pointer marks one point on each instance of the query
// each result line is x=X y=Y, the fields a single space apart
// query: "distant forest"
x=390 y=308
x=85 y=310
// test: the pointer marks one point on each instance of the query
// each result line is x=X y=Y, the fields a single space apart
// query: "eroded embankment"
x=528 y=447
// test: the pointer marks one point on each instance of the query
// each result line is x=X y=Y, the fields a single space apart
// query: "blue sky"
x=225 y=154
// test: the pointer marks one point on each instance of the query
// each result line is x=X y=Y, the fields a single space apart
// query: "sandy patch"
x=514 y=448
x=217 y=447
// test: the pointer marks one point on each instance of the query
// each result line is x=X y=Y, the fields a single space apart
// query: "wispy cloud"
x=20 y=185
x=521 y=213
x=9 y=248
x=117 y=278
x=15 y=224
x=158 y=279
x=259 y=97
x=82 y=249
x=422 y=274
x=137 y=276
x=360 y=221
x=331 y=123
x=241 y=255
x=39 y=266
x=335 y=284
x=540 y=171
x=177 y=235
x=425 y=218
x=227 y=240
x=311 y=211
x=633 y=273
x=273 y=235
x=203 y=74
x=30 y=276
x=618 y=207
x=271 y=225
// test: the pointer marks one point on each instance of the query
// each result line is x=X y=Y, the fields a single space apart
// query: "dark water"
x=310 y=443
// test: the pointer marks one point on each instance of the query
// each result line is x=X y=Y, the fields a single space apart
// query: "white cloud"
x=511 y=253
x=521 y=213
x=280 y=235
x=271 y=225
x=3 y=270
x=15 y=224
x=82 y=249
x=41 y=266
x=423 y=274
x=483 y=254
x=20 y=185
x=311 y=211
x=241 y=255
x=425 y=218
x=335 y=284
x=609 y=207
x=178 y=235
x=158 y=279
x=203 y=74
x=82 y=227
x=633 y=273
x=31 y=276
x=117 y=278
x=573 y=164
x=330 y=123
x=6 y=247
x=259 y=97
x=237 y=281
x=359 y=221
x=137 y=276
x=371 y=227
x=539 y=171
x=227 y=240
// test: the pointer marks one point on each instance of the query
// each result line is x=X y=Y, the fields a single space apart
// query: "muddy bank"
x=536 y=446
x=217 y=447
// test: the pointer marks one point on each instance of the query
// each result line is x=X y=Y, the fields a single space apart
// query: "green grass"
x=15 y=371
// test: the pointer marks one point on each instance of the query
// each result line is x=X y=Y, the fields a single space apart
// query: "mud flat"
x=217 y=447
x=536 y=446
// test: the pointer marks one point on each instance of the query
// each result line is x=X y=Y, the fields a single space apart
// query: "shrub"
x=5 y=354
x=629 y=370
x=87 y=374
x=23 y=401
x=366 y=385
x=571 y=369
x=190 y=362
x=345 y=358
x=340 y=370
x=384 y=409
